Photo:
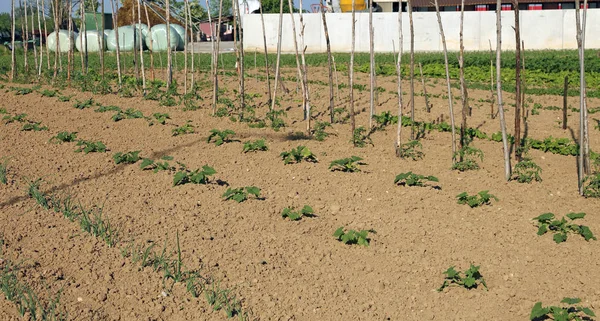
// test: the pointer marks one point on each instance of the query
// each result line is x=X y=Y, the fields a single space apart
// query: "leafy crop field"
x=119 y=207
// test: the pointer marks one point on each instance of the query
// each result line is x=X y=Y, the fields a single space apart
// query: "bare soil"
x=284 y=270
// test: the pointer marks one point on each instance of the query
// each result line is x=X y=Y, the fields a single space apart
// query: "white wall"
x=540 y=29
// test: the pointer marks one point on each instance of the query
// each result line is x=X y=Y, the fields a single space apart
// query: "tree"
x=197 y=12
x=226 y=11
x=272 y=6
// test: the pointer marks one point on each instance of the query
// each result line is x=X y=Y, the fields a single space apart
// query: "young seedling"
x=296 y=215
x=572 y=312
x=84 y=104
x=384 y=119
x=129 y=113
x=411 y=179
x=591 y=186
x=360 y=137
x=33 y=126
x=198 y=176
x=90 y=147
x=188 y=128
x=241 y=194
x=527 y=171
x=21 y=118
x=65 y=98
x=104 y=109
x=297 y=155
x=160 y=118
x=34 y=192
x=352 y=236
x=276 y=121
x=481 y=198
x=409 y=150
x=471 y=280
x=561 y=228
x=49 y=93
x=467 y=158
x=3 y=111
x=64 y=137
x=350 y=164
x=255 y=146
x=220 y=137
x=319 y=132
x=4 y=170
x=21 y=91
x=127 y=158
x=155 y=166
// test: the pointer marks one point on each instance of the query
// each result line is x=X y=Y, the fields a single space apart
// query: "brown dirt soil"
x=284 y=270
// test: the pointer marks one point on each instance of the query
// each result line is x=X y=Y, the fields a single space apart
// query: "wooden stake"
x=151 y=43
x=139 y=16
x=169 y=51
x=279 y=31
x=565 y=91
x=371 y=66
x=518 y=102
x=427 y=106
x=492 y=114
x=450 y=107
x=351 y=73
x=115 y=23
x=507 y=168
x=13 y=58
x=240 y=51
x=412 y=70
x=398 y=146
x=329 y=62
x=262 y=19
x=463 y=86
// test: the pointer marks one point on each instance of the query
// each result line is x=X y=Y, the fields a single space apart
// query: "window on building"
x=567 y=5
x=535 y=6
x=481 y=7
x=506 y=7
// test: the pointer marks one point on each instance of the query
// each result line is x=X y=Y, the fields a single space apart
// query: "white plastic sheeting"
x=127 y=39
x=181 y=32
x=92 y=41
x=156 y=40
x=65 y=41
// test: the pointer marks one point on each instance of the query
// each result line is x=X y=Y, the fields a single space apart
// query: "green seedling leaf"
x=471 y=279
x=574 y=216
x=561 y=228
x=352 y=236
x=297 y=155
x=350 y=164
x=570 y=301
x=128 y=158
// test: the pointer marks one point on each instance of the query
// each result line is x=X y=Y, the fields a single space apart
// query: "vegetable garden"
x=208 y=197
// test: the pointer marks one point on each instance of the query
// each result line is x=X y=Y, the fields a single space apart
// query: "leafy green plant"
x=4 y=170
x=527 y=171
x=64 y=98
x=409 y=150
x=572 y=312
x=21 y=118
x=127 y=158
x=255 y=146
x=33 y=190
x=49 y=93
x=161 y=118
x=560 y=228
x=298 y=154
x=33 y=126
x=90 y=147
x=220 y=137
x=360 y=137
x=296 y=215
x=319 y=130
x=129 y=113
x=591 y=186
x=241 y=194
x=561 y=146
x=352 y=236
x=276 y=121
x=350 y=164
x=385 y=119
x=64 y=137
x=21 y=91
x=156 y=166
x=104 y=109
x=471 y=280
x=3 y=111
x=481 y=198
x=84 y=104
x=411 y=179
x=188 y=128
x=199 y=176
x=467 y=158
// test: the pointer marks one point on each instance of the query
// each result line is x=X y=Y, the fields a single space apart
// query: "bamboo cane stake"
x=507 y=168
